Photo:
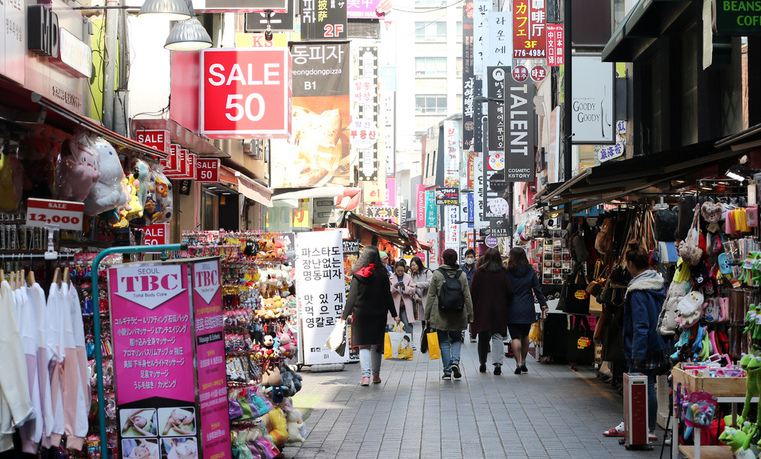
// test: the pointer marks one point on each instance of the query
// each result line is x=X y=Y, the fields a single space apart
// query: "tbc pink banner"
x=152 y=333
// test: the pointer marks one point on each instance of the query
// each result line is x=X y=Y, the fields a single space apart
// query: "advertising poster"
x=321 y=293
x=317 y=152
x=431 y=214
x=452 y=228
x=497 y=122
x=323 y=19
x=420 y=206
x=364 y=108
x=468 y=78
x=447 y=196
x=153 y=358
x=210 y=352
x=452 y=149
x=529 y=34
x=521 y=132
x=592 y=105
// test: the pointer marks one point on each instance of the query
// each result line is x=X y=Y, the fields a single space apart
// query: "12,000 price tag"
x=46 y=213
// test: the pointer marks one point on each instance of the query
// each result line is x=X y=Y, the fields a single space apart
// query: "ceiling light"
x=188 y=35
x=172 y=10
x=735 y=176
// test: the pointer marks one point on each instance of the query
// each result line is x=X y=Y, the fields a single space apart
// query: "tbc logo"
x=206 y=279
x=149 y=286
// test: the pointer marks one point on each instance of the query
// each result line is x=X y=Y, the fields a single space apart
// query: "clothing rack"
x=32 y=256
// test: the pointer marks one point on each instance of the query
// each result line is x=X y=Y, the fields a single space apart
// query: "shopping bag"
x=581 y=348
x=397 y=344
x=337 y=340
x=434 y=351
x=535 y=333
x=424 y=339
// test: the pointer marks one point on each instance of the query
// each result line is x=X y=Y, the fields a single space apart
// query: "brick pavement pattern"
x=551 y=412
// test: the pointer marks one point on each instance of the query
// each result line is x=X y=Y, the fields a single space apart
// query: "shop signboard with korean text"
x=499 y=51
x=245 y=92
x=738 y=18
x=317 y=152
x=451 y=228
x=481 y=11
x=592 y=107
x=529 y=34
x=447 y=196
x=469 y=89
x=321 y=295
x=364 y=100
x=49 y=213
x=431 y=210
x=169 y=365
x=323 y=19
x=520 y=164
x=496 y=81
x=495 y=207
x=452 y=153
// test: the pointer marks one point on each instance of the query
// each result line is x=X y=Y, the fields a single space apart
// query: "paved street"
x=550 y=412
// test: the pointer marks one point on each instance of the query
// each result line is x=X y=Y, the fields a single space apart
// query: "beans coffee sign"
x=738 y=17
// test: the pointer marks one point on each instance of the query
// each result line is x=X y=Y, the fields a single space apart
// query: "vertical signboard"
x=452 y=147
x=364 y=99
x=529 y=20
x=495 y=206
x=592 y=105
x=496 y=90
x=555 y=45
x=481 y=10
x=431 y=210
x=13 y=40
x=317 y=152
x=210 y=359
x=323 y=19
x=321 y=292
x=420 y=206
x=499 y=51
x=478 y=190
x=521 y=132
x=468 y=78
x=153 y=357
x=452 y=228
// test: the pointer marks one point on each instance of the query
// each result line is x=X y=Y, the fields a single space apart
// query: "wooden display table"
x=707 y=452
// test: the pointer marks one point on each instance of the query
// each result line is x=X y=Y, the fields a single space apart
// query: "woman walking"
x=491 y=297
x=448 y=310
x=521 y=313
x=421 y=279
x=369 y=302
x=402 y=291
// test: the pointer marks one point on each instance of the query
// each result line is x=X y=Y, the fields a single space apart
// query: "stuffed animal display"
x=107 y=193
x=158 y=206
x=11 y=172
x=77 y=169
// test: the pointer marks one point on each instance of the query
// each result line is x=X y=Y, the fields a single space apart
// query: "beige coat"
x=450 y=321
x=402 y=297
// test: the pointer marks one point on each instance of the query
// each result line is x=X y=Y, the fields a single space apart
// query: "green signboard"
x=738 y=17
x=431 y=210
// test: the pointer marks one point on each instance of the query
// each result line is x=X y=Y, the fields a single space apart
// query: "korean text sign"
x=321 y=293
x=323 y=19
x=245 y=92
x=529 y=35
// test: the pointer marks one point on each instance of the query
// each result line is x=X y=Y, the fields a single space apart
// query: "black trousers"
x=484 y=346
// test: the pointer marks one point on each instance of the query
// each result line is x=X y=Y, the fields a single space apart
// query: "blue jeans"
x=450 y=343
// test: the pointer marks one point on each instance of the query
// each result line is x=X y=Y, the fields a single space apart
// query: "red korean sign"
x=190 y=166
x=538 y=73
x=207 y=170
x=245 y=92
x=529 y=34
x=158 y=139
x=156 y=234
x=555 y=45
x=520 y=73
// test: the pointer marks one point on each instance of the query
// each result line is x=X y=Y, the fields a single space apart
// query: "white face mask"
x=470 y=260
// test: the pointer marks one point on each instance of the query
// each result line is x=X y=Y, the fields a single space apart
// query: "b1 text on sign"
x=46 y=213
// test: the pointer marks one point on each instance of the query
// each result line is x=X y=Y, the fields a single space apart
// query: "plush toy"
x=107 y=193
x=690 y=309
x=277 y=426
x=142 y=174
x=77 y=171
x=160 y=191
x=296 y=426
x=135 y=206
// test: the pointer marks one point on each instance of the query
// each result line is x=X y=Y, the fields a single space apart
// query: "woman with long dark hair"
x=491 y=295
x=521 y=313
x=421 y=279
x=369 y=303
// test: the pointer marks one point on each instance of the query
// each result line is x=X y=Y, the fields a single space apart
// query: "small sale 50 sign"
x=245 y=92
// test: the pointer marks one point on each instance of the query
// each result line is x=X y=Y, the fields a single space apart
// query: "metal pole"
x=568 y=93
x=97 y=326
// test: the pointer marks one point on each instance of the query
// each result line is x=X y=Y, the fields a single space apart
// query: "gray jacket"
x=455 y=321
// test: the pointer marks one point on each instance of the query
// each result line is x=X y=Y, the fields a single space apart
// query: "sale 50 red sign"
x=245 y=92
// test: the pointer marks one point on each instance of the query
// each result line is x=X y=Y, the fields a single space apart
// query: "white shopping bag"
x=337 y=339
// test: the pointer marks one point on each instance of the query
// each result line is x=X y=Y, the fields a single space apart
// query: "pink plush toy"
x=77 y=171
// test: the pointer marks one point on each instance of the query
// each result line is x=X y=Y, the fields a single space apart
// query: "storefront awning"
x=182 y=136
x=311 y=193
x=394 y=234
x=641 y=27
x=254 y=191
x=614 y=180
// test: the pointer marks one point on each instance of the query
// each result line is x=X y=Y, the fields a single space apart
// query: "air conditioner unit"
x=635 y=411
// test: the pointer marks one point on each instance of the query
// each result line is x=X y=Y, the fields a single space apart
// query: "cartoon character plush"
x=107 y=193
x=135 y=206
x=277 y=426
x=160 y=192
x=295 y=426
x=142 y=173
x=77 y=170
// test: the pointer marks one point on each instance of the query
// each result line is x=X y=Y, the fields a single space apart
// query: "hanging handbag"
x=689 y=248
x=575 y=299
x=581 y=349
x=665 y=223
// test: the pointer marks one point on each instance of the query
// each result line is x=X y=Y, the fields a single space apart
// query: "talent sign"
x=321 y=292
x=245 y=92
x=555 y=45
x=48 y=213
x=158 y=139
x=323 y=19
x=497 y=122
x=521 y=132
x=156 y=342
x=529 y=20
x=207 y=170
x=431 y=211
x=447 y=196
x=157 y=234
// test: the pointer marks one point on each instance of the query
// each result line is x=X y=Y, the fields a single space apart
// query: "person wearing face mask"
x=469 y=268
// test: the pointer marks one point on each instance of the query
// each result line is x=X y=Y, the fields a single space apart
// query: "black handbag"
x=581 y=347
x=424 y=339
x=665 y=223
x=574 y=298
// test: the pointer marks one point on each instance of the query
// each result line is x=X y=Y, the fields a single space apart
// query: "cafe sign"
x=738 y=17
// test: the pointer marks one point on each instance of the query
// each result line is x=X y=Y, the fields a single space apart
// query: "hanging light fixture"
x=173 y=10
x=188 y=35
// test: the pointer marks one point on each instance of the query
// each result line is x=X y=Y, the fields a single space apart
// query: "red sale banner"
x=207 y=170
x=155 y=138
x=245 y=92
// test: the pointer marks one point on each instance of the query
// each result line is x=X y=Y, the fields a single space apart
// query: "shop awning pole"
x=97 y=328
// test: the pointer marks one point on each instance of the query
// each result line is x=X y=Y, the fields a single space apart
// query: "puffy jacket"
x=644 y=299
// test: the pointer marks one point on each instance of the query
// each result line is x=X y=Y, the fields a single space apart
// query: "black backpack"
x=451 y=298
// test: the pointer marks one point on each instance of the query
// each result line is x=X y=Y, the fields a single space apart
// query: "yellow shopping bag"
x=388 y=350
x=434 y=351
x=535 y=333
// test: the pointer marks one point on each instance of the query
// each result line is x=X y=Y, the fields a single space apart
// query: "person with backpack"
x=448 y=310
x=491 y=294
x=521 y=313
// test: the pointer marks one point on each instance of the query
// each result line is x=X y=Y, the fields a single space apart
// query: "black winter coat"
x=369 y=303
x=491 y=295
x=526 y=287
